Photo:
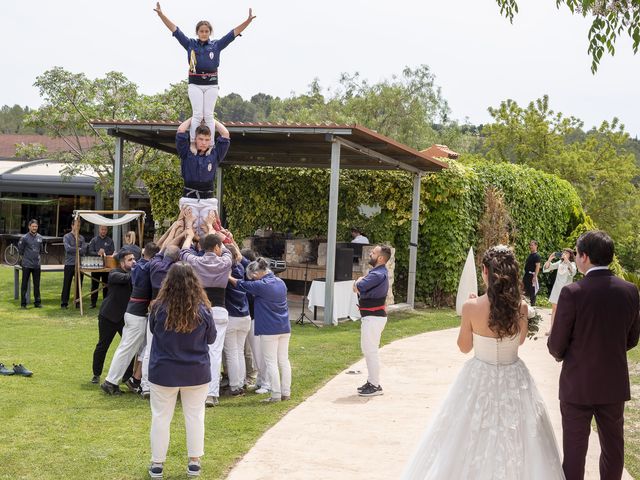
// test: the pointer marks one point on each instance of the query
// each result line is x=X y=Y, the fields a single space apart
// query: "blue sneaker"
x=193 y=468
x=21 y=370
x=5 y=371
x=155 y=470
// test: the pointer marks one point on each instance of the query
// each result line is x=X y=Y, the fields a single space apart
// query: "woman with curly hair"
x=182 y=326
x=493 y=422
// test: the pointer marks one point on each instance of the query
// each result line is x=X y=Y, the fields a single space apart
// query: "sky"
x=478 y=58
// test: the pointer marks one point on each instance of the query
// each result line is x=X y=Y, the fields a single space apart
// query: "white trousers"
x=203 y=102
x=144 y=383
x=370 y=332
x=262 y=378
x=234 y=339
x=275 y=349
x=200 y=209
x=133 y=335
x=221 y=320
x=163 y=402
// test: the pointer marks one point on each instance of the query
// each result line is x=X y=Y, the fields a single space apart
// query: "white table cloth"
x=345 y=301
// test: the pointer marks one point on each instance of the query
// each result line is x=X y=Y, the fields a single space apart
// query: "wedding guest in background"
x=566 y=269
x=69 y=242
x=130 y=244
x=100 y=246
x=182 y=326
x=531 y=271
x=30 y=247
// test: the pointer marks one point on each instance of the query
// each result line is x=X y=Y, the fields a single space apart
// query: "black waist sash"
x=216 y=296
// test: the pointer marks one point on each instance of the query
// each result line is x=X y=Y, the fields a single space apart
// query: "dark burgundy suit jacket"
x=596 y=322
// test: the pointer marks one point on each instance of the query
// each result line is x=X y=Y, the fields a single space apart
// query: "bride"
x=493 y=423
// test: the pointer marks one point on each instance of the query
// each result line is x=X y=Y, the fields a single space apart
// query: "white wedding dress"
x=493 y=423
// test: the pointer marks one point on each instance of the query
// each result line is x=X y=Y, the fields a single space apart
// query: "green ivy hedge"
x=295 y=201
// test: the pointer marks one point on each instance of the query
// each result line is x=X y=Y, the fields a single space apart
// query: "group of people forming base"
x=187 y=304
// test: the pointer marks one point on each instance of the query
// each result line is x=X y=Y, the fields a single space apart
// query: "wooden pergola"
x=296 y=145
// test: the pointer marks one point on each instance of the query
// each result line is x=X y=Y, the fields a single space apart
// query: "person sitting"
x=358 y=237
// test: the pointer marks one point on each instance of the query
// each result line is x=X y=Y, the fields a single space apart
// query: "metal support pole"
x=219 y=190
x=332 y=229
x=413 y=241
x=117 y=186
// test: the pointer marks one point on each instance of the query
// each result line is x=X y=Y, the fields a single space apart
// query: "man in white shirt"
x=358 y=237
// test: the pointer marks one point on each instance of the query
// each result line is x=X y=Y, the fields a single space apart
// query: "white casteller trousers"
x=370 y=332
x=133 y=336
x=234 y=340
x=221 y=320
x=275 y=349
x=163 y=402
x=203 y=100
x=262 y=379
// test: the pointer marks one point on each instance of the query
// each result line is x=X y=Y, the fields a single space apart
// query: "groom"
x=596 y=322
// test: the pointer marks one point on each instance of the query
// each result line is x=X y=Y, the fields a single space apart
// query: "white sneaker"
x=211 y=401
x=262 y=390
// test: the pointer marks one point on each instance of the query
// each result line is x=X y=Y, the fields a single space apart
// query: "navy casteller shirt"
x=206 y=55
x=199 y=171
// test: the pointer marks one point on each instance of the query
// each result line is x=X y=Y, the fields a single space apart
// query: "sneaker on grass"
x=211 y=401
x=261 y=390
x=110 y=389
x=5 y=371
x=155 y=470
x=193 y=468
x=370 y=391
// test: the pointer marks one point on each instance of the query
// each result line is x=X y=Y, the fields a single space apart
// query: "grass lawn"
x=57 y=425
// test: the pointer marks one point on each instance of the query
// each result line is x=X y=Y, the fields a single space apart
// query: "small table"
x=345 y=300
x=16 y=278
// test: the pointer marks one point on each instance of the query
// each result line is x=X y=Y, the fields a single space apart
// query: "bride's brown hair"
x=181 y=295
x=503 y=290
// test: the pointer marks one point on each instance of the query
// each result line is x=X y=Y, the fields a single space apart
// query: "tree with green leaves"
x=598 y=163
x=611 y=19
x=71 y=101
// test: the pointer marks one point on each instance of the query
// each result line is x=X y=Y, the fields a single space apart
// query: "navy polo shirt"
x=207 y=53
x=180 y=359
x=235 y=298
x=199 y=171
x=270 y=304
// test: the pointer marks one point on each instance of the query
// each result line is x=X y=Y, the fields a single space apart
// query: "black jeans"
x=35 y=274
x=106 y=333
x=529 y=289
x=69 y=274
x=96 y=278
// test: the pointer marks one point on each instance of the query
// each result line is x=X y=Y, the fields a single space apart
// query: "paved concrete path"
x=335 y=434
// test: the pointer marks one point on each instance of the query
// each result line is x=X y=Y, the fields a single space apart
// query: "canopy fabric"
x=98 y=219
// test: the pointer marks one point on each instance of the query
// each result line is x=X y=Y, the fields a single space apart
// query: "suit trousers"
x=69 y=274
x=98 y=279
x=106 y=332
x=529 y=289
x=35 y=274
x=576 y=427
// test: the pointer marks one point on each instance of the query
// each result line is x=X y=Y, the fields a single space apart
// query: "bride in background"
x=493 y=423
